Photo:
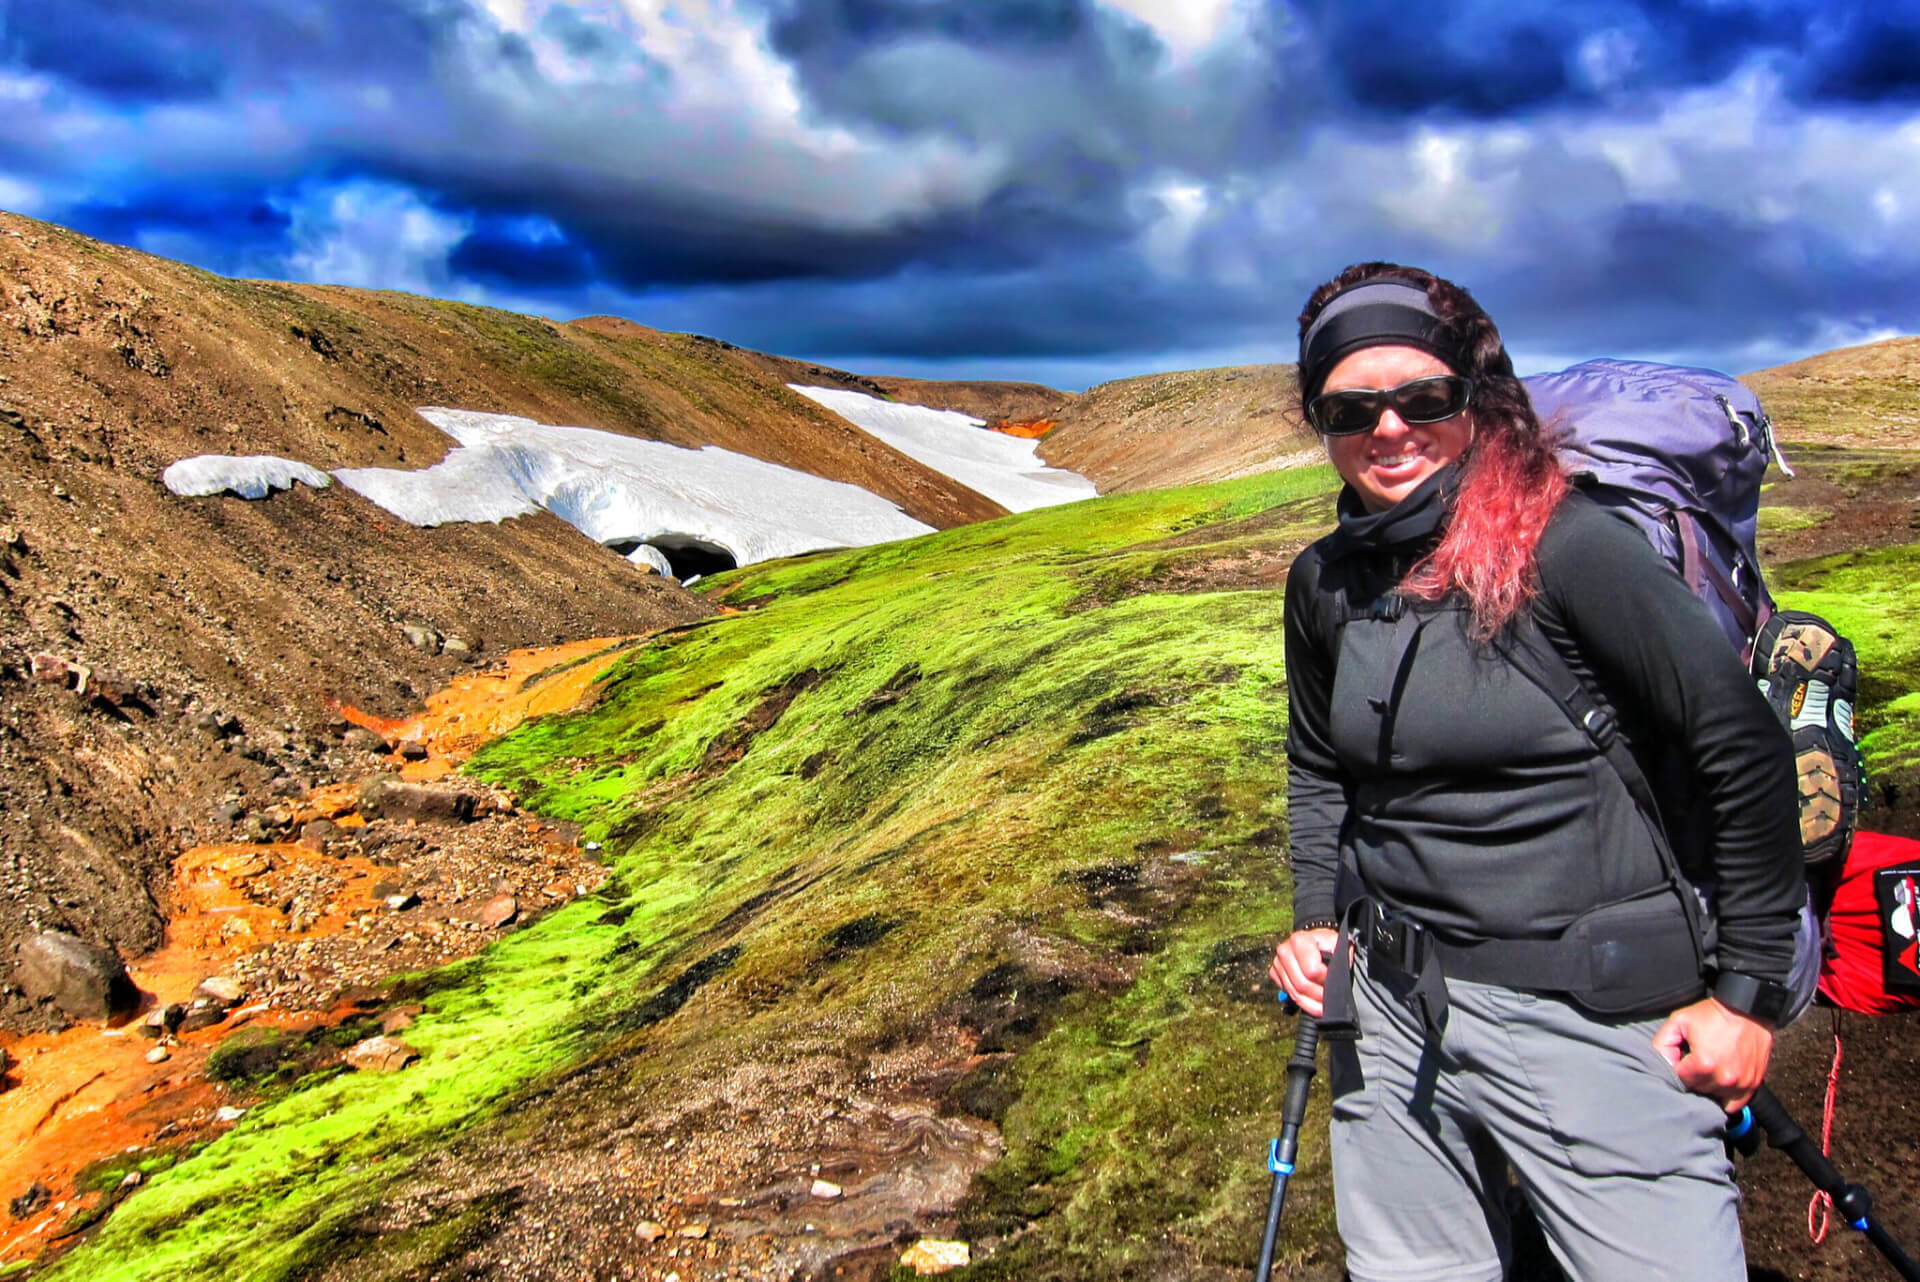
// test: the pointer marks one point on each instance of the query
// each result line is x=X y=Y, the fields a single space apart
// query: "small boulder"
x=384 y=797
x=933 y=1255
x=36 y=1196
x=162 y=1020
x=382 y=1054
x=398 y=1021
x=825 y=1190
x=316 y=833
x=361 y=739
x=498 y=912
x=411 y=750
x=651 y=1230
x=84 y=980
x=229 y=812
x=201 y=1013
x=159 y=1055
x=422 y=638
x=50 y=668
x=457 y=648
x=223 y=989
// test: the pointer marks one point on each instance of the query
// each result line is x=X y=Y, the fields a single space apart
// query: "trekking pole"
x=1852 y=1201
x=1280 y=1156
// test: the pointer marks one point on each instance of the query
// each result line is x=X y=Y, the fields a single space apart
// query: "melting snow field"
x=250 y=476
x=615 y=489
x=1005 y=468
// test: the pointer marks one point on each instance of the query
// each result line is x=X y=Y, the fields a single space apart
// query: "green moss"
x=830 y=819
x=1785 y=520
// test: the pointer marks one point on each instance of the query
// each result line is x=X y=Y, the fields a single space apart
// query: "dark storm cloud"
x=134 y=52
x=1490 y=59
x=1867 y=57
x=1029 y=179
x=238 y=219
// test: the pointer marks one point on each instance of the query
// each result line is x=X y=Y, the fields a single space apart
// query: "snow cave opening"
x=689 y=556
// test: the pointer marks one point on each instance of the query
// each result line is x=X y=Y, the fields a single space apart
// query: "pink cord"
x=1818 y=1208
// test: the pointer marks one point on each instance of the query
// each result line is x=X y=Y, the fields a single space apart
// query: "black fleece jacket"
x=1463 y=795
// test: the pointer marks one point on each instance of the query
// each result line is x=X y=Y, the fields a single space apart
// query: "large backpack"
x=1680 y=454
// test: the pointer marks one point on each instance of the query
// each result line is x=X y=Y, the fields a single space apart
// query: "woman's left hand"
x=1716 y=1051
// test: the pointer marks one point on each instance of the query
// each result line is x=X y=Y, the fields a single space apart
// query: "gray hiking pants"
x=1624 y=1167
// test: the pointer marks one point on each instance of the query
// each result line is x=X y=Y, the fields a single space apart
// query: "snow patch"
x=250 y=476
x=1005 y=468
x=630 y=493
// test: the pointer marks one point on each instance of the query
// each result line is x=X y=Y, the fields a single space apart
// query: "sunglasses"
x=1354 y=410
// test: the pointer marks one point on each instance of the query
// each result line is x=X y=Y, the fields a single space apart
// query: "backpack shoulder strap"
x=1538 y=657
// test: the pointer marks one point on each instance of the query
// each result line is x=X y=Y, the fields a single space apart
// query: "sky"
x=1064 y=191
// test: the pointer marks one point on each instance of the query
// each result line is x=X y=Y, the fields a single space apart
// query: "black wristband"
x=1761 y=998
x=1316 y=923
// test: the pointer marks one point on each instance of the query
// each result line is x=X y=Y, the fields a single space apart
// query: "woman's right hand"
x=1300 y=966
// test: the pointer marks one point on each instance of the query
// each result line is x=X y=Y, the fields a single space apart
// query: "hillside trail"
x=75 y=1105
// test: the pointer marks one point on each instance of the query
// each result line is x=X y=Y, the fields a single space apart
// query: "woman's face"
x=1387 y=464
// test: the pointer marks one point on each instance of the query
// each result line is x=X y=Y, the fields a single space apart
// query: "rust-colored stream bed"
x=75 y=1100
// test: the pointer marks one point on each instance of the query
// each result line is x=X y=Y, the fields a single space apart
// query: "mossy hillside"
x=941 y=736
x=1870 y=597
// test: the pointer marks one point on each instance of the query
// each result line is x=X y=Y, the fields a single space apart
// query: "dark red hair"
x=1510 y=482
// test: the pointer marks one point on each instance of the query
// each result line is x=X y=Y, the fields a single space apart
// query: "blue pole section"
x=1283 y=1152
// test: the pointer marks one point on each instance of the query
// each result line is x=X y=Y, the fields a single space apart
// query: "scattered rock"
x=229 y=812
x=222 y=989
x=412 y=750
x=457 y=648
x=381 y=1054
x=50 y=668
x=401 y=902
x=36 y=1196
x=162 y=1020
x=385 y=797
x=826 y=1189
x=202 y=1013
x=316 y=833
x=159 y=1055
x=228 y=1113
x=398 y=1021
x=85 y=981
x=497 y=912
x=288 y=786
x=422 y=638
x=649 y=1231
x=934 y=1255
x=693 y=1230
x=361 y=739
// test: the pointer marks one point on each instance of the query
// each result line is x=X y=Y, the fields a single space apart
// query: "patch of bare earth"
x=341 y=890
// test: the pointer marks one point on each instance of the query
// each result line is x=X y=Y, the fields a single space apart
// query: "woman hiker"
x=1464 y=838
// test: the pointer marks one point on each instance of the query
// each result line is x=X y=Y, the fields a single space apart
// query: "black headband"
x=1374 y=313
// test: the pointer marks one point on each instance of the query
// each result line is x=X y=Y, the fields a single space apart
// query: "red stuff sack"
x=1872 y=959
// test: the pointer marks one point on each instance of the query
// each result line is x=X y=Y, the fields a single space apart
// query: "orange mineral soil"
x=72 y=1101
x=1029 y=429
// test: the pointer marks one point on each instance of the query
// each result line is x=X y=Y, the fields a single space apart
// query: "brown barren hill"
x=1864 y=396
x=170 y=667
x=988 y=400
x=1182 y=428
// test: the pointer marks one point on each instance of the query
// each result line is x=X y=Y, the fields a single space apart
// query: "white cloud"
x=1185 y=27
x=692 y=100
x=374 y=235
